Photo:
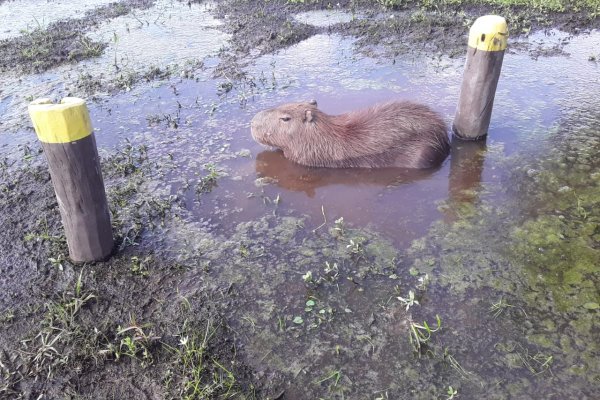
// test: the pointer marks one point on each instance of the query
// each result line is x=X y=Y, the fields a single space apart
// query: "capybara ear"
x=313 y=102
x=308 y=117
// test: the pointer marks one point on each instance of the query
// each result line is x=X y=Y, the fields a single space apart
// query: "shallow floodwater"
x=27 y=15
x=171 y=35
x=501 y=241
x=170 y=32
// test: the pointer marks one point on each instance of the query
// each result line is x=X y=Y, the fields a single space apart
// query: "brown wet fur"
x=395 y=134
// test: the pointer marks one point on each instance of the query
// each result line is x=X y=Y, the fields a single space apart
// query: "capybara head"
x=276 y=126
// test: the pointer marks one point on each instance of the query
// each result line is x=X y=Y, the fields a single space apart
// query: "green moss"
x=543 y=340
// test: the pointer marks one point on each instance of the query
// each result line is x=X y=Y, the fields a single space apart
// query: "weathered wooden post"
x=487 y=41
x=65 y=131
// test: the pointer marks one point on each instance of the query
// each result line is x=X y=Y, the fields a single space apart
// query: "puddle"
x=26 y=15
x=268 y=222
x=325 y=18
x=537 y=105
x=138 y=42
x=170 y=32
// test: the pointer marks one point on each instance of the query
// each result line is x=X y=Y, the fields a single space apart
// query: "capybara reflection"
x=396 y=134
x=292 y=176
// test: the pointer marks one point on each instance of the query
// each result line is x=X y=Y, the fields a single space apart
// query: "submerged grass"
x=60 y=42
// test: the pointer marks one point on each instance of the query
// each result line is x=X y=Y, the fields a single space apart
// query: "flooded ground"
x=479 y=277
x=25 y=16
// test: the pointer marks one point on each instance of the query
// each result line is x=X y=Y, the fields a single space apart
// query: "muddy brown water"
x=268 y=221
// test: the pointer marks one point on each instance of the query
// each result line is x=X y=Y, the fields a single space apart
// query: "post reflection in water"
x=466 y=169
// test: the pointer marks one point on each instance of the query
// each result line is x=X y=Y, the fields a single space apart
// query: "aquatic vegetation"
x=409 y=301
x=499 y=307
x=209 y=181
x=420 y=335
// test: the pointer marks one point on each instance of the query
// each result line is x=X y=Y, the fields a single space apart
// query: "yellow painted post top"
x=489 y=33
x=65 y=122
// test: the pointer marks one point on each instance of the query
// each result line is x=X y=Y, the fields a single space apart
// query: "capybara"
x=395 y=134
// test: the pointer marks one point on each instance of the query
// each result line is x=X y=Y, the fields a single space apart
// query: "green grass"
x=195 y=373
x=539 y=5
x=548 y=5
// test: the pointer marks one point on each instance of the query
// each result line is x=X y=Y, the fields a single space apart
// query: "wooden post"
x=487 y=41
x=65 y=131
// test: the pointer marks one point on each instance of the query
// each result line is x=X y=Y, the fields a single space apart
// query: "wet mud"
x=239 y=274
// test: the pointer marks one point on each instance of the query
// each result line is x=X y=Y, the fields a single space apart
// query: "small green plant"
x=57 y=262
x=129 y=159
x=281 y=324
x=449 y=358
x=390 y=3
x=356 y=247
x=42 y=233
x=424 y=281
x=63 y=312
x=308 y=277
x=499 y=307
x=339 y=226
x=580 y=210
x=244 y=250
x=331 y=271
x=418 y=16
x=537 y=363
x=50 y=349
x=333 y=376
x=134 y=342
x=89 y=48
x=7 y=317
x=201 y=376
x=421 y=334
x=382 y=396
x=409 y=301
x=208 y=182
x=310 y=304
x=452 y=393
x=140 y=266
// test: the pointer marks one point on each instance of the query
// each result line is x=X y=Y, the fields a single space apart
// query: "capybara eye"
x=285 y=119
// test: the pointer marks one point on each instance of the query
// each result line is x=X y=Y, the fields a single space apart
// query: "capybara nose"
x=257 y=125
x=253 y=124
x=254 y=121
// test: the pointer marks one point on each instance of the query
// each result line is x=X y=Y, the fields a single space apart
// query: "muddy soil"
x=159 y=319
